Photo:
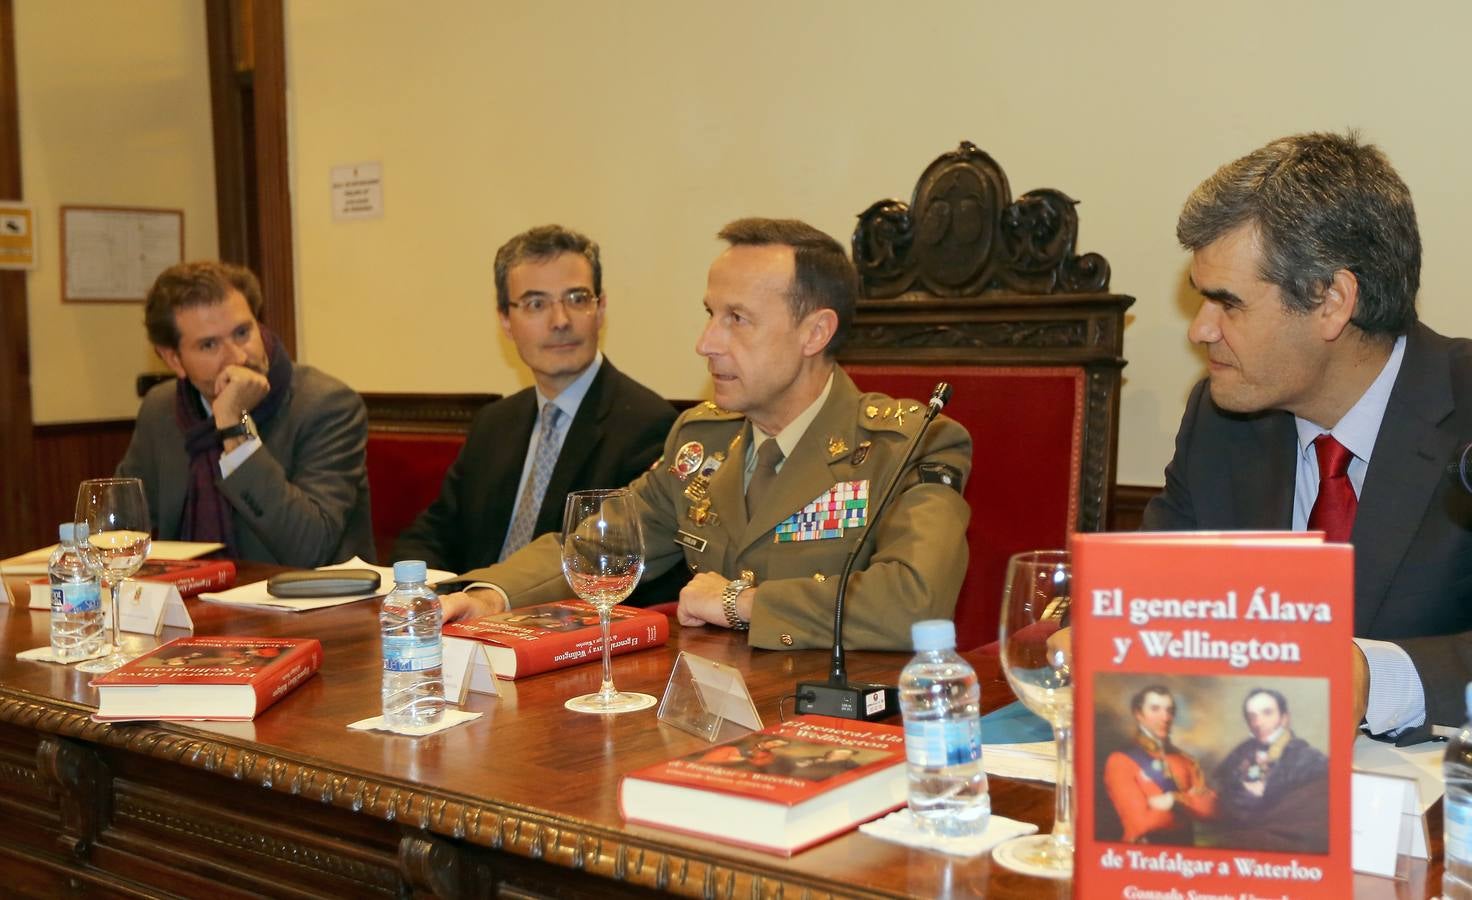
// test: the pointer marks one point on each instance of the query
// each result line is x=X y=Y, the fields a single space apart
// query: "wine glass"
x=1035 y=658
x=603 y=557
x=115 y=512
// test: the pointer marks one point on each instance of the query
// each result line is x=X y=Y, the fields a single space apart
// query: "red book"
x=1213 y=698
x=190 y=576
x=781 y=790
x=225 y=678
x=549 y=636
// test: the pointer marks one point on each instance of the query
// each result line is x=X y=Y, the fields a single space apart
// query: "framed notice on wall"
x=112 y=254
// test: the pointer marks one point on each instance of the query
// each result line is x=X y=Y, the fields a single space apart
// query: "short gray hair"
x=1320 y=203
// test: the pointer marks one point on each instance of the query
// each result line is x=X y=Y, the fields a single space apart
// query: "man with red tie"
x=1329 y=406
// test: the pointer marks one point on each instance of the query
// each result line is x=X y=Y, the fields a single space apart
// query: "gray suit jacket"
x=1413 y=531
x=299 y=500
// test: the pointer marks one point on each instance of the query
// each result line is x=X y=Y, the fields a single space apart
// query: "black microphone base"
x=854 y=700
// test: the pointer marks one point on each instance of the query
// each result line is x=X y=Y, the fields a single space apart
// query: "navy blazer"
x=1413 y=531
x=617 y=433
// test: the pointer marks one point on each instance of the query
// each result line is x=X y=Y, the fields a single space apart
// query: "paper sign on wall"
x=357 y=192
x=17 y=236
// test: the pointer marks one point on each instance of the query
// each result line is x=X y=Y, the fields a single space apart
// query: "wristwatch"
x=729 y=594
x=245 y=428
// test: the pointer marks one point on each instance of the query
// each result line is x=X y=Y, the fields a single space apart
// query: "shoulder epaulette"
x=878 y=412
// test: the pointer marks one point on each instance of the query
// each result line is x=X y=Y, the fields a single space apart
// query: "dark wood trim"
x=229 y=136
x=65 y=454
x=450 y=413
x=273 y=197
x=17 y=522
x=1128 y=510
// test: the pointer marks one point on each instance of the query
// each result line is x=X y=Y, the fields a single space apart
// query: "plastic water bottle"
x=413 y=682
x=76 y=598
x=940 y=699
x=1456 y=881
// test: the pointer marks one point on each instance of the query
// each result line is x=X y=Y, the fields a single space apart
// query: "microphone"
x=837 y=696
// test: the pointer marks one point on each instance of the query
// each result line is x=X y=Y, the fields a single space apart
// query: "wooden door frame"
x=17 y=509
x=263 y=194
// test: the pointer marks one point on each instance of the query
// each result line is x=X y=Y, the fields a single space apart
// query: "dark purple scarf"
x=207 y=516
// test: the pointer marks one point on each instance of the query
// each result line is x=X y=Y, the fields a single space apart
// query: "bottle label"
x=407 y=653
x=1457 y=830
x=932 y=744
x=69 y=599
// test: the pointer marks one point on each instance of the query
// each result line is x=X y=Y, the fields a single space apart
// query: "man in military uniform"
x=1157 y=790
x=766 y=490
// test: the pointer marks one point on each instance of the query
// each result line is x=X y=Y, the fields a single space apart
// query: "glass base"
x=620 y=702
x=116 y=657
x=1036 y=854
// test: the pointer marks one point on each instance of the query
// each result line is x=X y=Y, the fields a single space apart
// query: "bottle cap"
x=933 y=634
x=407 y=570
x=1469 y=699
x=67 y=532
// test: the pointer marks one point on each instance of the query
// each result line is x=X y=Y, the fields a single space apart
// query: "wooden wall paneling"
x=65 y=455
x=16 y=525
x=1128 y=509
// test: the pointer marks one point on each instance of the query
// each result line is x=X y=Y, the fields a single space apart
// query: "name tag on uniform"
x=686 y=539
x=845 y=505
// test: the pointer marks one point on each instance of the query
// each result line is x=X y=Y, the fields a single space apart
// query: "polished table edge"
x=563 y=841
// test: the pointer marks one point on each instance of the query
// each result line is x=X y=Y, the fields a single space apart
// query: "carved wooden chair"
x=967 y=285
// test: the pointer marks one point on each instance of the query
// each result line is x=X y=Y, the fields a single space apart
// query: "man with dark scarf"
x=246 y=447
x=1158 y=791
x=1273 y=788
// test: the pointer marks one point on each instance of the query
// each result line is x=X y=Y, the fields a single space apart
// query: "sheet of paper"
x=254 y=594
x=33 y=562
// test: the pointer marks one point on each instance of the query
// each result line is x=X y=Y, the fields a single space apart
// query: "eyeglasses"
x=573 y=302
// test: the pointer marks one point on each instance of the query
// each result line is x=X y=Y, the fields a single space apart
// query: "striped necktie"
x=535 y=489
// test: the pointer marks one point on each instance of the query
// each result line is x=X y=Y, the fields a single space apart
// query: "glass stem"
x=1063 y=795
x=607 y=691
x=115 y=592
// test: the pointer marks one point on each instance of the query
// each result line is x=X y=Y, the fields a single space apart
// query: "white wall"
x=649 y=124
x=114 y=111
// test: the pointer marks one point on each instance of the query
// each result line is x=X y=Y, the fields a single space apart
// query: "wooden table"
x=522 y=801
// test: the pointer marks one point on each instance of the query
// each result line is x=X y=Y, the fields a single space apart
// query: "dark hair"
x=1277 y=698
x=541 y=244
x=195 y=284
x=1137 y=702
x=1320 y=203
x=823 y=277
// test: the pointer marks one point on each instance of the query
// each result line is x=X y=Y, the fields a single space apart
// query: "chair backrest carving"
x=968 y=285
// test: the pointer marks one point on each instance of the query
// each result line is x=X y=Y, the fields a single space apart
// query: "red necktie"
x=1333 y=511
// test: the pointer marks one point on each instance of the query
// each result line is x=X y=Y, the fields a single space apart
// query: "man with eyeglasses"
x=765 y=490
x=583 y=424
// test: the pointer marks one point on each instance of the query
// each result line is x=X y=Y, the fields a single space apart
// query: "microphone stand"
x=837 y=696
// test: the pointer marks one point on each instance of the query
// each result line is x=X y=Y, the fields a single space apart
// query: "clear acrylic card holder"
x=708 y=699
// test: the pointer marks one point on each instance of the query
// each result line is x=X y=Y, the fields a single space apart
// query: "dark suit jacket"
x=1413 y=532
x=618 y=431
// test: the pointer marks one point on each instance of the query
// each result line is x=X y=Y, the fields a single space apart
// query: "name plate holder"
x=147 y=606
x=467 y=667
x=1387 y=830
x=708 y=699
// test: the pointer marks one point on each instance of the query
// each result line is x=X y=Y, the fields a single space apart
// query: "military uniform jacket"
x=696 y=516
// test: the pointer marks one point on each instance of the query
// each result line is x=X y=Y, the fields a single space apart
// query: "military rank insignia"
x=845 y=505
